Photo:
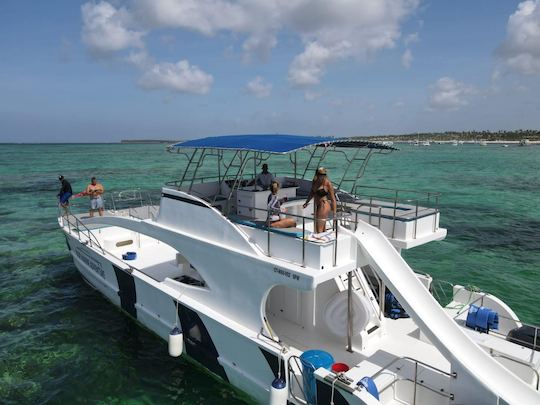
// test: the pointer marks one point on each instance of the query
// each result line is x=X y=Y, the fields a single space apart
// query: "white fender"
x=278 y=392
x=176 y=342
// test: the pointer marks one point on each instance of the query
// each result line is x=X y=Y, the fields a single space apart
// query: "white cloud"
x=258 y=20
x=140 y=59
x=329 y=31
x=105 y=28
x=259 y=87
x=521 y=48
x=406 y=59
x=449 y=94
x=496 y=75
x=411 y=38
x=343 y=29
x=259 y=46
x=308 y=67
x=204 y=16
x=177 y=77
x=311 y=95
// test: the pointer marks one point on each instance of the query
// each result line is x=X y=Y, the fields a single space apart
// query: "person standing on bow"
x=324 y=199
x=65 y=193
x=95 y=190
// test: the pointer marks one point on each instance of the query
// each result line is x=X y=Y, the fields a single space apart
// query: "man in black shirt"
x=65 y=193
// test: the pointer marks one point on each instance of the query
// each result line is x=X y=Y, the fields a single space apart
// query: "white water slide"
x=464 y=355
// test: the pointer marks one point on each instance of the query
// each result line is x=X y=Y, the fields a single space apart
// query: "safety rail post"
x=380 y=208
x=415 y=381
x=415 y=220
x=436 y=211
x=268 y=235
x=394 y=216
x=335 y=224
x=370 y=205
x=303 y=242
x=349 y=313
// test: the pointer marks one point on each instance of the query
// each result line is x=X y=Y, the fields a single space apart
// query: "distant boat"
x=461 y=142
x=388 y=143
x=425 y=143
x=524 y=142
x=455 y=143
x=505 y=146
x=482 y=143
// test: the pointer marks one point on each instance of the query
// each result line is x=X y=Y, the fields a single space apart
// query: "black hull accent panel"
x=67 y=243
x=324 y=394
x=197 y=340
x=273 y=363
x=126 y=291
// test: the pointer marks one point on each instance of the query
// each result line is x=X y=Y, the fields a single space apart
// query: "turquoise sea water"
x=60 y=341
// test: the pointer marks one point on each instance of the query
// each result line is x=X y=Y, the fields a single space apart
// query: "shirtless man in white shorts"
x=95 y=190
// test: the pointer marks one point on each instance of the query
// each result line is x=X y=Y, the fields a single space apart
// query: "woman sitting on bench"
x=276 y=219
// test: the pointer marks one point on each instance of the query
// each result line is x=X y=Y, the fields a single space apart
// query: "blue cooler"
x=311 y=361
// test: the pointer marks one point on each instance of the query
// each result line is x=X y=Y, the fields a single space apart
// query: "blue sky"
x=94 y=71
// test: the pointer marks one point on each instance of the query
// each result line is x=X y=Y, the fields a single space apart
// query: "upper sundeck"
x=220 y=174
x=222 y=170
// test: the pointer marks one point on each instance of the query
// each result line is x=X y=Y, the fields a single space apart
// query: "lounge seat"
x=293 y=232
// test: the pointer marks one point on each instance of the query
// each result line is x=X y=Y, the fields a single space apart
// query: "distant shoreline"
x=444 y=137
x=465 y=136
x=147 y=141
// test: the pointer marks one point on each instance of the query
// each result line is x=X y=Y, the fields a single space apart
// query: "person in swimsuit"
x=276 y=220
x=324 y=198
x=95 y=190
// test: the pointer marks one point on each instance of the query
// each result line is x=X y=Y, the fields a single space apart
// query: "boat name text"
x=93 y=264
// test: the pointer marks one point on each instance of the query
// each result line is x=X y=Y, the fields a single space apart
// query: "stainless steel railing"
x=130 y=200
x=423 y=204
x=268 y=229
x=494 y=353
x=79 y=227
x=293 y=376
x=438 y=290
x=414 y=380
x=202 y=179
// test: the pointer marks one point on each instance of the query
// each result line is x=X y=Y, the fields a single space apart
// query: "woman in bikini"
x=324 y=198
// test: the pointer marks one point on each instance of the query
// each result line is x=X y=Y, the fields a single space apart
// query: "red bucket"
x=340 y=368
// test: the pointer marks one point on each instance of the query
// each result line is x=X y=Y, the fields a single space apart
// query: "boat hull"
x=243 y=361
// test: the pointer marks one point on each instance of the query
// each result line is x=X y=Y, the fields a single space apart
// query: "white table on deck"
x=248 y=198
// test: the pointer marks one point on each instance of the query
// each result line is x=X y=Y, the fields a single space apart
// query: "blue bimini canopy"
x=271 y=143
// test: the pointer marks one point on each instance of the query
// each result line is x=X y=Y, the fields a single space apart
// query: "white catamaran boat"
x=294 y=317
